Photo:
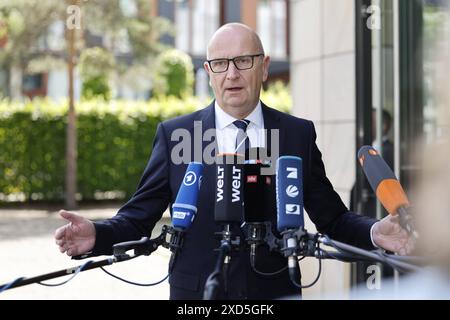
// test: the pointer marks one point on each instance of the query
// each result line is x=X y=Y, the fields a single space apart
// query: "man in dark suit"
x=237 y=67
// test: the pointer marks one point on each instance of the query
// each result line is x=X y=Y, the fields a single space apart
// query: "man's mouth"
x=234 y=89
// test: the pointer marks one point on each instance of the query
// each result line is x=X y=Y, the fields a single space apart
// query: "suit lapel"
x=204 y=122
x=272 y=122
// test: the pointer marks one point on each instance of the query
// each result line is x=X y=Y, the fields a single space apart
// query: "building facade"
x=348 y=58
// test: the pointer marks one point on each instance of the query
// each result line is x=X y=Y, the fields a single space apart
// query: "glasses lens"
x=219 y=65
x=243 y=62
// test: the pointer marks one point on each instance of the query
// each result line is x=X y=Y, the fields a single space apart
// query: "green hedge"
x=114 y=144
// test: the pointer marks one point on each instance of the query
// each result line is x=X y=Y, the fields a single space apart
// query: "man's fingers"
x=62 y=248
x=404 y=234
x=410 y=246
x=60 y=232
x=70 y=216
x=71 y=251
x=68 y=248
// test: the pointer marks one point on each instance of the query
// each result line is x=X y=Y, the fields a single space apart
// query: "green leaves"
x=174 y=74
x=114 y=145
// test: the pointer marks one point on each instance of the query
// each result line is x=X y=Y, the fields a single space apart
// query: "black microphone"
x=386 y=186
x=228 y=210
x=259 y=199
x=259 y=189
x=289 y=192
x=229 y=201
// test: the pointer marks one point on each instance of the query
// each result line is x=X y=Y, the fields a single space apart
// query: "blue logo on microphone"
x=189 y=178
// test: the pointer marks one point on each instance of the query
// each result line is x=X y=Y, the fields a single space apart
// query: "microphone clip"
x=257 y=233
x=144 y=246
x=176 y=239
x=227 y=239
x=297 y=242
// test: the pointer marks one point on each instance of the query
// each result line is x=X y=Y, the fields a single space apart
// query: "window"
x=196 y=22
x=182 y=26
x=272 y=27
x=205 y=22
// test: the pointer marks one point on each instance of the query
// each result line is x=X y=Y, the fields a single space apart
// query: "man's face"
x=237 y=91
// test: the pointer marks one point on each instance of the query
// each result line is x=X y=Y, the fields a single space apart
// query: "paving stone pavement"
x=27 y=248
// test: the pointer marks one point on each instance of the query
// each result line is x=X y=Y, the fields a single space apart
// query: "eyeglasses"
x=241 y=63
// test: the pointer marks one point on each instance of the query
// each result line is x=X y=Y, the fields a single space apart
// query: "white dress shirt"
x=226 y=131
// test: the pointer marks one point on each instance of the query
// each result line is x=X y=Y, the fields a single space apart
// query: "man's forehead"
x=218 y=54
x=231 y=48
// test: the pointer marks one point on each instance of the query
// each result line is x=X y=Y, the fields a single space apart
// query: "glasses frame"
x=253 y=56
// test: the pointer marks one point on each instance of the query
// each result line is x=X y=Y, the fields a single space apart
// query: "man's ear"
x=266 y=63
x=206 y=67
x=208 y=71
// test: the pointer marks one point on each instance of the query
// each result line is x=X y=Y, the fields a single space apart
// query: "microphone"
x=184 y=208
x=259 y=191
x=289 y=194
x=259 y=199
x=386 y=186
x=229 y=201
x=228 y=209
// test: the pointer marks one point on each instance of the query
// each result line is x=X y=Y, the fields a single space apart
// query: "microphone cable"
x=318 y=273
x=9 y=285
x=135 y=283
x=77 y=271
x=266 y=274
x=269 y=274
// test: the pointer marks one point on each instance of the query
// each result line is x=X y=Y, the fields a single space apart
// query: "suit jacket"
x=159 y=186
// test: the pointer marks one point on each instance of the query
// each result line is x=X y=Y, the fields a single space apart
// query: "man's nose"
x=232 y=72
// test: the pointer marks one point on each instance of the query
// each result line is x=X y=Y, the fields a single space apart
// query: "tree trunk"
x=71 y=133
x=15 y=82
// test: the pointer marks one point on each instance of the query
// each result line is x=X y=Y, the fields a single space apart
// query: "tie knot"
x=242 y=124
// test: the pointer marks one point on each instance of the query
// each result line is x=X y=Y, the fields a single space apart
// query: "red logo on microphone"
x=252 y=179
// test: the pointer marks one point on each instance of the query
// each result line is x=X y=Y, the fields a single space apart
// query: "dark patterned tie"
x=242 y=141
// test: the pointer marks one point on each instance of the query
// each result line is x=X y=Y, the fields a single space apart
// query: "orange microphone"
x=386 y=186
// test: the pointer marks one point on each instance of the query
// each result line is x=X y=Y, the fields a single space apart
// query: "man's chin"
x=236 y=103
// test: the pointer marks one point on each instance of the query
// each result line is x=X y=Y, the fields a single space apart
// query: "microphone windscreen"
x=382 y=180
x=229 y=198
x=185 y=206
x=259 y=194
x=289 y=193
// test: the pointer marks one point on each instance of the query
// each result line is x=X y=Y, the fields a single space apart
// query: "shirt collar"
x=223 y=119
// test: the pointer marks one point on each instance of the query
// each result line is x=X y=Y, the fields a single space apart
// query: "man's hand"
x=76 y=237
x=389 y=235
